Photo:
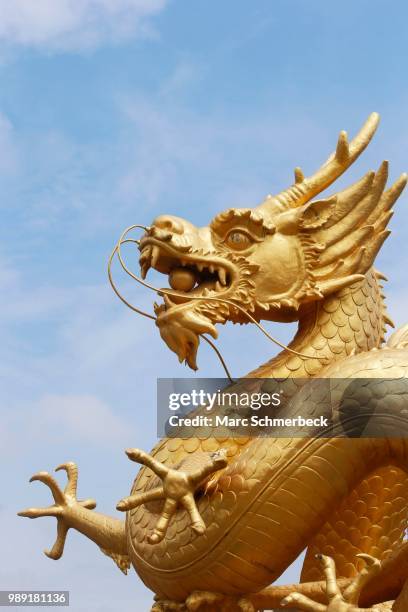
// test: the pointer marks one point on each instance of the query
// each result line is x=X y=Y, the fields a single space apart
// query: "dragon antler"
x=345 y=154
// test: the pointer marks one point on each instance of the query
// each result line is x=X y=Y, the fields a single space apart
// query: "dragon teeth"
x=211 y=269
x=144 y=270
x=200 y=267
x=218 y=286
x=155 y=255
x=144 y=262
x=222 y=275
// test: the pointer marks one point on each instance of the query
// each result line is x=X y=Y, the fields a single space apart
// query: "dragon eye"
x=238 y=240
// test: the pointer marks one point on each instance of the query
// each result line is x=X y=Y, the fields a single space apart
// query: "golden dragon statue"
x=212 y=523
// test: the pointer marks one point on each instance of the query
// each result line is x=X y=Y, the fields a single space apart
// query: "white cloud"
x=60 y=420
x=77 y=350
x=173 y=148
x=74 y=334
x=74 y=24
x=83 y=417
x=163 y=147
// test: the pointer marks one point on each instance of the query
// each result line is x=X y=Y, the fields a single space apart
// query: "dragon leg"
x=338 y=601
x=179 y=483
x=108 y=533
x=205 y=601
x=374 y=587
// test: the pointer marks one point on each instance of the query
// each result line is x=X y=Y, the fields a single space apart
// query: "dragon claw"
x=199 y=598
x=62 y=499
x=337 y=601
x=207 y=600
x=179 y=484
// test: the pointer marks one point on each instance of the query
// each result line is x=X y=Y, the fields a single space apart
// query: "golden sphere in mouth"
x=182 y=279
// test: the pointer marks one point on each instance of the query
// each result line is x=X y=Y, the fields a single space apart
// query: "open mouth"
x=189 y=273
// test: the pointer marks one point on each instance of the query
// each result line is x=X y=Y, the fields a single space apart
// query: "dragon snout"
x=175 y=225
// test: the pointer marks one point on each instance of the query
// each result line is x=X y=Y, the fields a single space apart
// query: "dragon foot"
x=63 y=501
x=205 y=601
x=179 y=483
x=337 y=601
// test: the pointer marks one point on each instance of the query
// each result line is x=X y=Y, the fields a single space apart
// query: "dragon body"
x=277 y=496
x=229 y=527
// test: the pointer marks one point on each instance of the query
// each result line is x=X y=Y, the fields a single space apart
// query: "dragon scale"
x=264 y=476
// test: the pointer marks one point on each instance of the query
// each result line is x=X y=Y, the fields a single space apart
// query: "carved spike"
x=393 y=193
x=341 y=249
x=384 y=220
x=356 y=206
x=349 y=199
x=342 y=149
x=299 y=176
x=381 y=176
x=372 y=249
x=353 y=264
x=388 y=320
x=335 y=284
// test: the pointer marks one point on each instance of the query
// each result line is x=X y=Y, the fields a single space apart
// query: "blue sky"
x=111 y=112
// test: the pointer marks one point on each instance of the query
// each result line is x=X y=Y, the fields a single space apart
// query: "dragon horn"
x=345 y=154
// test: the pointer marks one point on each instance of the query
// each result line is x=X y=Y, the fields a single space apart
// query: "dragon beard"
x=181 y=325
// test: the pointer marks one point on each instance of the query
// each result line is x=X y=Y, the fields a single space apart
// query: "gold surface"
x=215 y=540
x=338 y=601
x=179 y=483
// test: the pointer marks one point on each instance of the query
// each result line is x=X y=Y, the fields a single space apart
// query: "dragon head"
x=271 y=260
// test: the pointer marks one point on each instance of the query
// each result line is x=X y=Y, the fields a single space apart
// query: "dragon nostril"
x=167 y=222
